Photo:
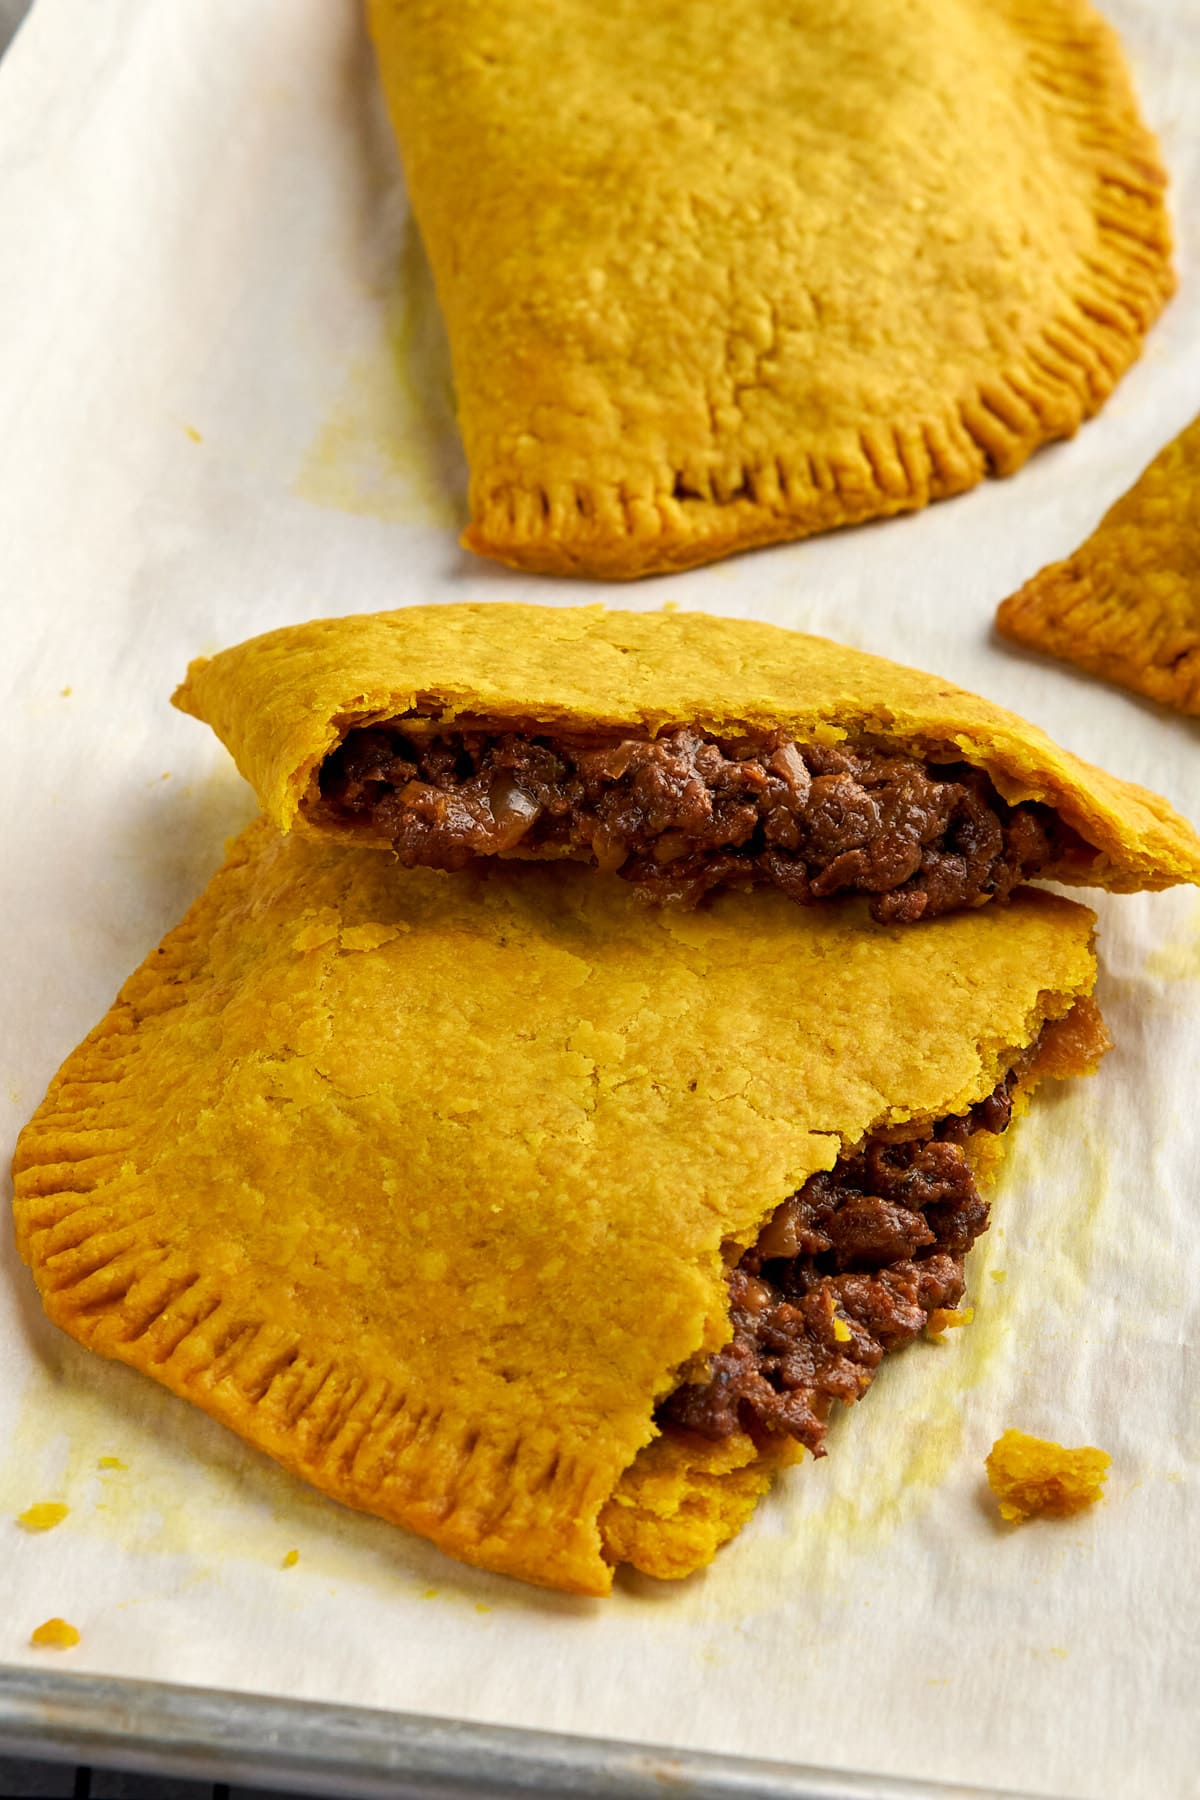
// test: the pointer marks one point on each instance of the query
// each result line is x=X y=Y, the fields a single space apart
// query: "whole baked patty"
x=717 y=279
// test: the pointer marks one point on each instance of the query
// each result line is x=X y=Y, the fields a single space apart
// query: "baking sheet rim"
x=220 y=1735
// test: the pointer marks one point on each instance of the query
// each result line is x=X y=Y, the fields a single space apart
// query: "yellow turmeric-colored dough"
x=54 y=1634
x=43 y=1515
x=1126 y=605
x=1031 y=1476
x=422 y=1183
x=283 y=702
x=715 y=277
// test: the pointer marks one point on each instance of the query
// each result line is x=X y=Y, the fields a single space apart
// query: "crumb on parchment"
x=1030 y=1476
x=290 y=1560
x=54 y=1634
x=947 y=1318
x=44 y=1515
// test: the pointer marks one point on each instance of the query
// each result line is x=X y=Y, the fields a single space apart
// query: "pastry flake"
x=447 y=1227
x=717 y=279
x=1032 y=1476
x=43 y=1515
x=635 y=702
x=54 y=1634
x=1126 y=605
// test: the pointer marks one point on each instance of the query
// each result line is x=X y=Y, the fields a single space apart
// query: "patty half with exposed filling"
x=848 y=1268
x=685 y=749
x=430 y=1186
x=682 y=813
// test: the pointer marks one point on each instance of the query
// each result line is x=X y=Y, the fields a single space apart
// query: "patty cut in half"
x=542 y=1224
x=687 y=752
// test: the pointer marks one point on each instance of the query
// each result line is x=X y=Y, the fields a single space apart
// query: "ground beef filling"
x=847 y=1269
x=685 y=812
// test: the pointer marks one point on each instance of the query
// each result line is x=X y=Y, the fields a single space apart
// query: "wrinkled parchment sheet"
x=225 y=406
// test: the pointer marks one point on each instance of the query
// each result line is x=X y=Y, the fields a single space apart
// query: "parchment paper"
x=225 y=406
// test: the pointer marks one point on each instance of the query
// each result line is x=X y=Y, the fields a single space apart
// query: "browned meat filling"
x=847 y=1269
x=685 y=812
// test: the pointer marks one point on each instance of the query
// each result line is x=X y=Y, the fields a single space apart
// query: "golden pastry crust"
x=282 y=702
x=440 y=1252
x=54 y=1634
x=715 y=281
x=1032 y=1476
x=1126 y=605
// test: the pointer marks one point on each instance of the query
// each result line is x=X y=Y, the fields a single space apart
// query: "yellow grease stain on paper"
x=189 y=1489
x=390 y=447
x=63 y=1435
x=1179 y=958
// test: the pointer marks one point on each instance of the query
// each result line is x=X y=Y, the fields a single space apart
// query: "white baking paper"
x=224 y=406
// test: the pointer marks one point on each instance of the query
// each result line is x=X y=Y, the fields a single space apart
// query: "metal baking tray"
x=307 y=1748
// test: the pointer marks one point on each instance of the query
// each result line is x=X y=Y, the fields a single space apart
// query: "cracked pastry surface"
x=725 y=279
x=685 y=749
x=1126 y=605
x=429 y=1185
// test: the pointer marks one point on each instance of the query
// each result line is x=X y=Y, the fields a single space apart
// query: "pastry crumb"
x=54 y=1634
x=1031 y=1476
x=948 y=1318
x=110 y=1462
x=290 y=1560
x=44 y=1515
x=65 y=693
